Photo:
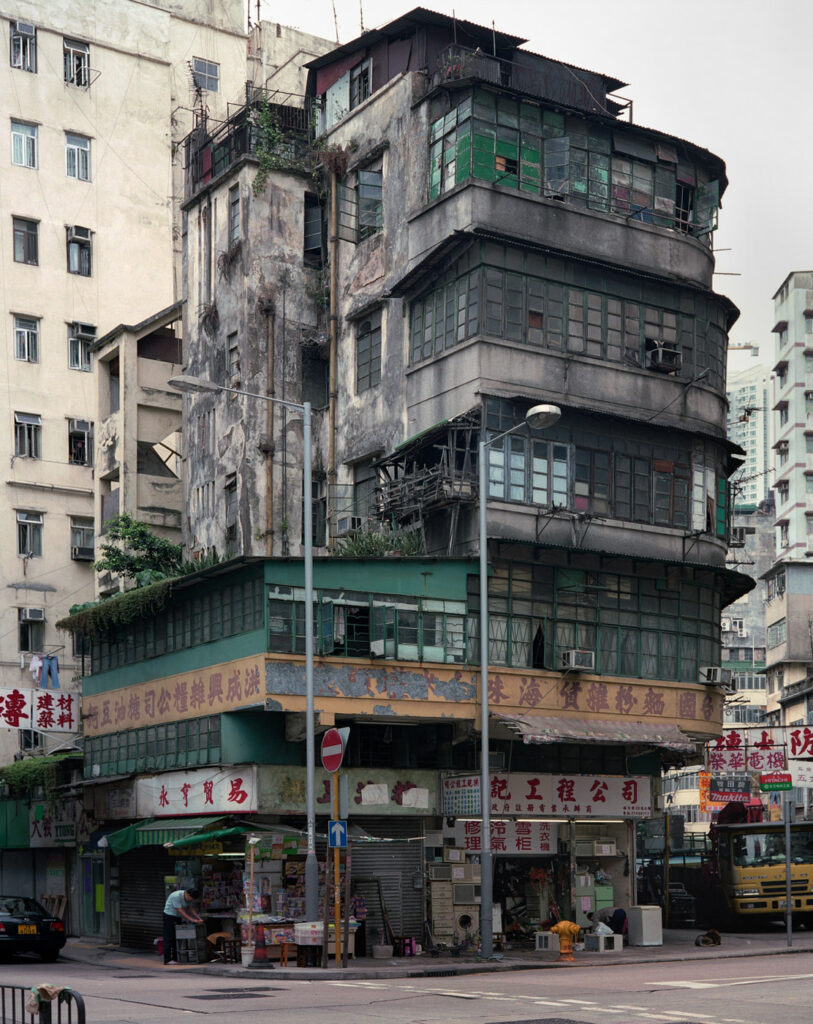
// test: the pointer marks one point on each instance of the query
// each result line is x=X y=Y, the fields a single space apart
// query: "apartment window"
x=234 y=215
x=783 y=414
x=784 y=535
x=364 y=481
x=29 y=534
x=808 y=402
x=312 y=248
x=206 y=74
x=23 y=46
x=233 y=356
x=738 y=626
x=77 y=156
x=368 y=352
x=80 y=442
x=809 y=443
x=26 y=339
x=231 y=515
x=79 y=251
x=808 y=483
x=26 y=249
x=782 y=490
x=80 y=343
x=76 y=57
x=23 y=144
x=81 y=539
x=370 y=203
x=361 y=78
x=542 y=479
x=777 y=634
x=31 y=629
x=27 y=434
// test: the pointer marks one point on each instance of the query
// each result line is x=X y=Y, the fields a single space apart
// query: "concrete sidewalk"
x=678 y=945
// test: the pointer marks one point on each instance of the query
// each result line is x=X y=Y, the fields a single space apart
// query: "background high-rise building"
x=749 y=426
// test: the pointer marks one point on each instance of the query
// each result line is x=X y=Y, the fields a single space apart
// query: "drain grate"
x=439 y=974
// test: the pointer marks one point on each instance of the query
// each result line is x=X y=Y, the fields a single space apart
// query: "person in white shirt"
x=175 y=910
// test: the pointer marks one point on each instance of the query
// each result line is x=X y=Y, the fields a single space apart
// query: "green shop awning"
x=217 y=833
x=158 y=832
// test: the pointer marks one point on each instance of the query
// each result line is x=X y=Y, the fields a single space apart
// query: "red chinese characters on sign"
x=747 y=750
x=198 y=791
x=516 y=794
x=15 y=708
x=509 y=837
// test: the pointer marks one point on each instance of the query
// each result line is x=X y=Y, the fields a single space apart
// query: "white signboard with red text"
x=198 y=791
x=42 y=710
x=515 y=837
x=584 y=796
x=747 y=750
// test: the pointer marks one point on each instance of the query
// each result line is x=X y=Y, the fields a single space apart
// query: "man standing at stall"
x=174 y=911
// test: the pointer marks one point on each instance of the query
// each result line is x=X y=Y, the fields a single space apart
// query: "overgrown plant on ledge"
x=380 y=541
x=23 y=777
x=227 y=259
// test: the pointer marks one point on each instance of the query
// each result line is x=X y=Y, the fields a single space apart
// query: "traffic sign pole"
x=337 y=888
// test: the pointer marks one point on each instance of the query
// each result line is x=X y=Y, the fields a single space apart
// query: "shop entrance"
x=531 y=892
x=93 y=895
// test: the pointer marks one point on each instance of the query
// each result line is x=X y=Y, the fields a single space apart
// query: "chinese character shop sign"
x=204 y=791
x=583 y=796
x=514 y=837
x=41 y=710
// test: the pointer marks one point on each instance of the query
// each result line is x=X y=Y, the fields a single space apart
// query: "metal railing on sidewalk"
x=67 y=1007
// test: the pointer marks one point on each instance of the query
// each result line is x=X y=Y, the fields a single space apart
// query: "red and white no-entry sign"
x=332 y=750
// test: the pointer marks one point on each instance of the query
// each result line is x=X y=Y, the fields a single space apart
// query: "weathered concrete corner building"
x=447 y=230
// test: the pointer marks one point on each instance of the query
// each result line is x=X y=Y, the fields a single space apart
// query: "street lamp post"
x=197 y=385
x=539 y=417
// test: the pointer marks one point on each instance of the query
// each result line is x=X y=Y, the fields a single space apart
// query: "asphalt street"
x=752 y=990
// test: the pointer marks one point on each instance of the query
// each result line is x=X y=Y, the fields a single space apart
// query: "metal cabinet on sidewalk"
x=645 y=927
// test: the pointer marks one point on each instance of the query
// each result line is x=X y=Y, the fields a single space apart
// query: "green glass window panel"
x=436 y=130
x=530 y=118
x=507 y=149
x=483 y=167
x=450 y=120
x=721 y=507
x=485 y=105
x=507 y=111
x=464 y=110
x=553 y=124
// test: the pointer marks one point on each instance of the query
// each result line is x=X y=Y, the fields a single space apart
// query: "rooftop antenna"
x=454 y=26
x=361 y=16
x=335 y=20
x=493 y=39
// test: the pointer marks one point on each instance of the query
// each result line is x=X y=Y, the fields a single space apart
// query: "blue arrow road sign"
x=337 y=834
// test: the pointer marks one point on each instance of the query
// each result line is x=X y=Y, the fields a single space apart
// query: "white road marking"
x=730 y=982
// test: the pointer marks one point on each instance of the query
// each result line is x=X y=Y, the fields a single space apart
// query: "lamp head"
x=542 y=416
x=192 y=385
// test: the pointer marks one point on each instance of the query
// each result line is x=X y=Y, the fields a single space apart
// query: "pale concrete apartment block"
x=97 y=98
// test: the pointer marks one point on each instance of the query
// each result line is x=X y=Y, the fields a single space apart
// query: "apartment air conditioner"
x=79 y=554
x=664 y=359
x=76 y=234
x=80 y=426
x=725 y=625
x=377 y=648
x=347 y=524
x=737 y=537
x=33 y=615
x=84 y=331
x=714 y=676
x=440 y=872
x=581 y=661
x=23 y=28
x=465 y=893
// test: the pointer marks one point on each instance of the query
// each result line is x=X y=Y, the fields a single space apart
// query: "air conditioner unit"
x=23 y=28
x=714 y=676
x=79 y=554
x=440 y=872
x=737 y=537
x=33 y=615
x=80 y=426
x=76 y=234
x=664 y=359
x=377 y=648
x=581 y=661
x=725 y=625
x=465 y=893
x=85 y=331
x=347 y=524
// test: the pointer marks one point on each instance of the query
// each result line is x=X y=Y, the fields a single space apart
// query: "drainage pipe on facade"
x=269 y=428
x=334 y=277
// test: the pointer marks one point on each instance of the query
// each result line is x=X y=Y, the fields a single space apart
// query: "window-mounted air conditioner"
x=80 y=426
x=77 y=234
x=347 y=524
x=465 y=894
x=23 y=28
x=33 y=615
x=578 y=660
x=377 y=649
x=81 y=554
x=664 y=359
x=712 y=675
x=725 y=625
x=85 y=331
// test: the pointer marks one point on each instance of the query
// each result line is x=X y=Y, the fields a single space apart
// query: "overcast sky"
x=730 y=75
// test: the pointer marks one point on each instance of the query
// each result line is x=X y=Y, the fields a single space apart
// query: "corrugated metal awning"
x=545 y=729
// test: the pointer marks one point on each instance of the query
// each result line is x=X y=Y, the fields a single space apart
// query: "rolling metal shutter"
x=398 y=865
x=142 y=894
